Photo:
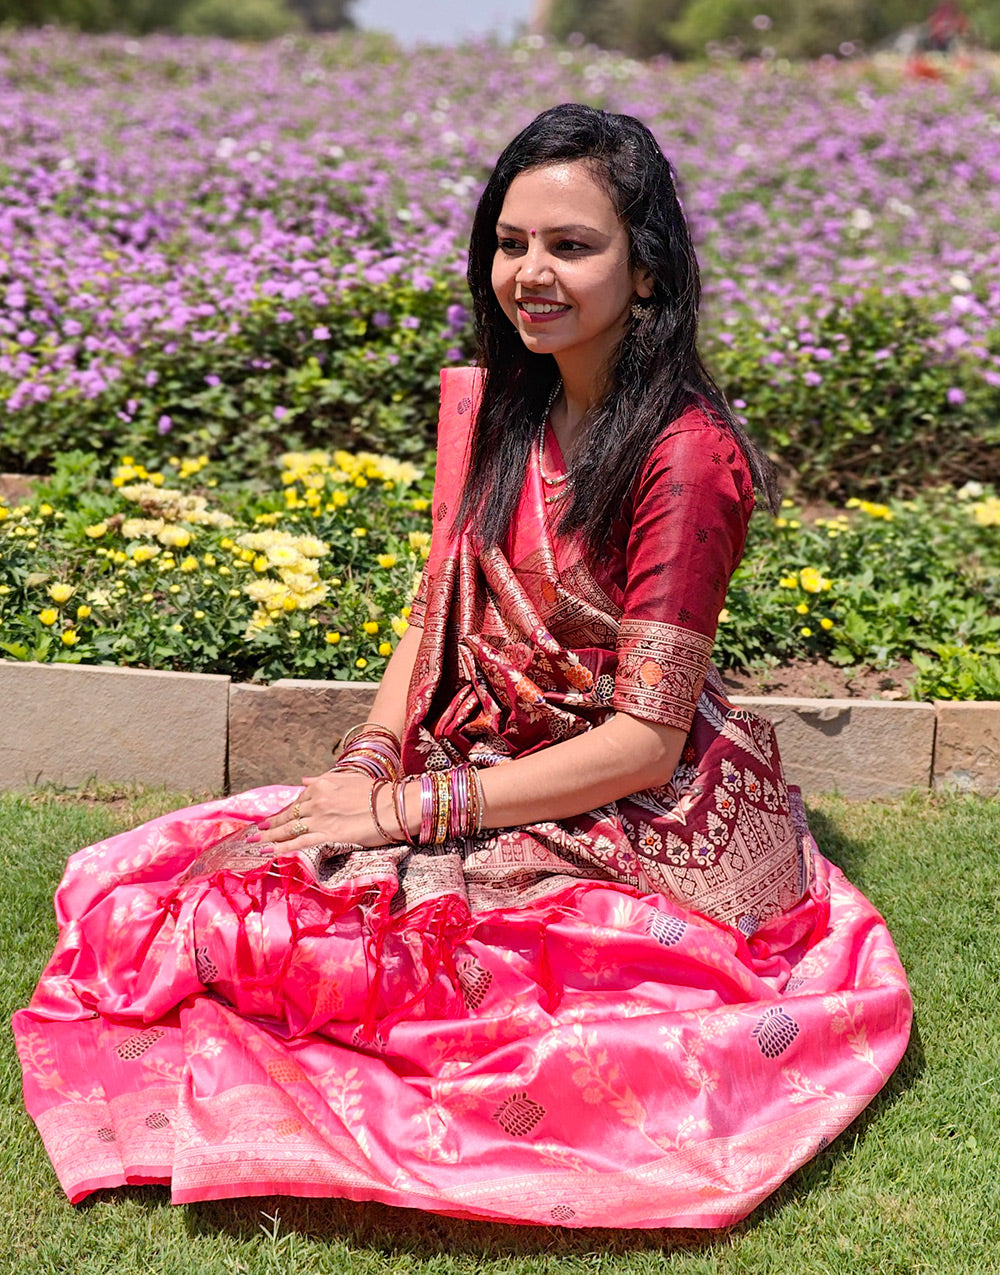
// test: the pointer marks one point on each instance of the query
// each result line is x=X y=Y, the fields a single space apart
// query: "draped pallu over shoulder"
x=646 y=1015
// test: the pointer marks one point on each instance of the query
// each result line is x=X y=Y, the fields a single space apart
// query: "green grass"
x=911 y=1187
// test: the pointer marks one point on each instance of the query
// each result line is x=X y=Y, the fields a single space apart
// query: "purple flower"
x=322 y=333
x=280 y=413
x=380 y=319
x=212 y=380
x=956 y=397
x=164 y=425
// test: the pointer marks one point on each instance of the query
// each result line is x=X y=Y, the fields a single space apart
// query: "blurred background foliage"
x=642 y=28
x=769 y=28
x=235 y=19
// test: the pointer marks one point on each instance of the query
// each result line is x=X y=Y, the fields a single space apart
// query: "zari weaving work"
x=647 y=1015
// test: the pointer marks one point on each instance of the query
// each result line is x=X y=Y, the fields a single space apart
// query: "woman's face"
x=561 y=270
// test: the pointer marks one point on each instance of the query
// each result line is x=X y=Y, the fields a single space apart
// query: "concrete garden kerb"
x=71 y=724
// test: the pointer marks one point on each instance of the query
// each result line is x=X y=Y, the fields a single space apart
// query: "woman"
x=550 y=943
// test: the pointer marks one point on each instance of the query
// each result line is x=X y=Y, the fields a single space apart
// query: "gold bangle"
x=376 y=788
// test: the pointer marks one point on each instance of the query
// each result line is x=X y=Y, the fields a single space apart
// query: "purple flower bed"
x=243 y=248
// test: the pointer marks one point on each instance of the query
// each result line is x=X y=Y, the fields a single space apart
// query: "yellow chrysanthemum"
x=61 y=592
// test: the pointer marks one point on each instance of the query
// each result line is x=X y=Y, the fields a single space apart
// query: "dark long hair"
x=656 y=372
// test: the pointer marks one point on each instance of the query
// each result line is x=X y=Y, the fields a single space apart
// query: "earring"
x=640 y=311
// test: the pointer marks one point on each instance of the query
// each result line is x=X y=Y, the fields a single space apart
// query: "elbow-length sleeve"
x=689 y=515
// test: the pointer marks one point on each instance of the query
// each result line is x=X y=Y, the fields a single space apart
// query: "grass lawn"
x=912 y=1186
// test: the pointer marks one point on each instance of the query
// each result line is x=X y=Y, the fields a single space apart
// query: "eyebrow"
x=552 y=230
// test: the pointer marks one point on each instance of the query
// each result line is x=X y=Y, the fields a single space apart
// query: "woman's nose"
x=535 y=270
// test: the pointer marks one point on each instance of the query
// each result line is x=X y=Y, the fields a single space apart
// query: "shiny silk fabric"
x=648 y=1015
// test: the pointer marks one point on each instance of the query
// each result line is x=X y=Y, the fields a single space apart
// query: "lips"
x=541 y=311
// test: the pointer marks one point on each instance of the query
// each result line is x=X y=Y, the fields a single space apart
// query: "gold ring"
x=296 y=812
x=299 y=829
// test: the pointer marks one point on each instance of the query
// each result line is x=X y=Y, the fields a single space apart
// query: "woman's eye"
x=570 y=245
x=510 y=245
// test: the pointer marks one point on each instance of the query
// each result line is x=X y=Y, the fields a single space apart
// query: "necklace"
x=562 y=481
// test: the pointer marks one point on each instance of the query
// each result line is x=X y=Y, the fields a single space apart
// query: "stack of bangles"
x=451 y=801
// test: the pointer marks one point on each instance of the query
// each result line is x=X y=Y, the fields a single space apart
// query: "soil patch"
x=817 y=679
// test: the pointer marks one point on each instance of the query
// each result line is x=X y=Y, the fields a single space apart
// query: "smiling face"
x=561 y=271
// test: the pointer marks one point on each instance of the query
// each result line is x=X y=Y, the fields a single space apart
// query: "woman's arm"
x=621 y=756
x=389 y=708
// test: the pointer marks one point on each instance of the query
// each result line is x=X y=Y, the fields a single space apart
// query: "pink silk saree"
x=649 y=1015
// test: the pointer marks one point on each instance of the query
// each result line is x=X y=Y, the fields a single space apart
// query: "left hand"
x=332 y=808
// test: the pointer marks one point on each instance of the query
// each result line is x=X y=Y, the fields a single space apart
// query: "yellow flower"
x=806 y=632
x=83 y=612
x=724 y=616
x=177 y=628
x=209 y=559
x=61 y=592
x=190 y=564
x=781 y=522
x=174 y=588
x=361 y=663
x=803 y=608
x=339 y=499
x=386 y=560
x=176 y=537
x=826 y=623
x=370 y=626
x=96 y=530
x=49 y=615
x=46 y=511
x=875 y=511
x=199 y=615
x=289 y=602
x=283 y=555
x=143 y=553
x=789 y=582
x=361 y=481
x=788 y=504
x=420 y=504
x=420 y=541
x=260 y=563
x=147 y=597
x=399 y=625
x=987 y=512
x=811 y=580
x=332 y=638
x=385 y=648
x=360 y=532
x=70 y=637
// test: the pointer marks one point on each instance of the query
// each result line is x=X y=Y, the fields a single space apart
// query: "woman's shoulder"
x=697 y=436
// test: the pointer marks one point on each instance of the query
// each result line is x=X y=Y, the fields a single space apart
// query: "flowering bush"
x=163 y=569
x=871 y=585
x=312 y=577
x=209 y=247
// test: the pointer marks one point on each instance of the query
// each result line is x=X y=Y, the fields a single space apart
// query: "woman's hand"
x=333 y=807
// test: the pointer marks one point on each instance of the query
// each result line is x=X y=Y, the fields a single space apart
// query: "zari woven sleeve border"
x=688 y=523
x=460 y=391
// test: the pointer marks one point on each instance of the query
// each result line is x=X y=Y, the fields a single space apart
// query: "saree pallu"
x=648 y=1015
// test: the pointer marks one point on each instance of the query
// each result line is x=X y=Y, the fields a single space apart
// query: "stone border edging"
x=70 y=724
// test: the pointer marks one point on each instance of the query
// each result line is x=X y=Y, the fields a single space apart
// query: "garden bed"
x=820 y=679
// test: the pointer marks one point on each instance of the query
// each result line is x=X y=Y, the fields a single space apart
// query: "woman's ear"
x=643 y=282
